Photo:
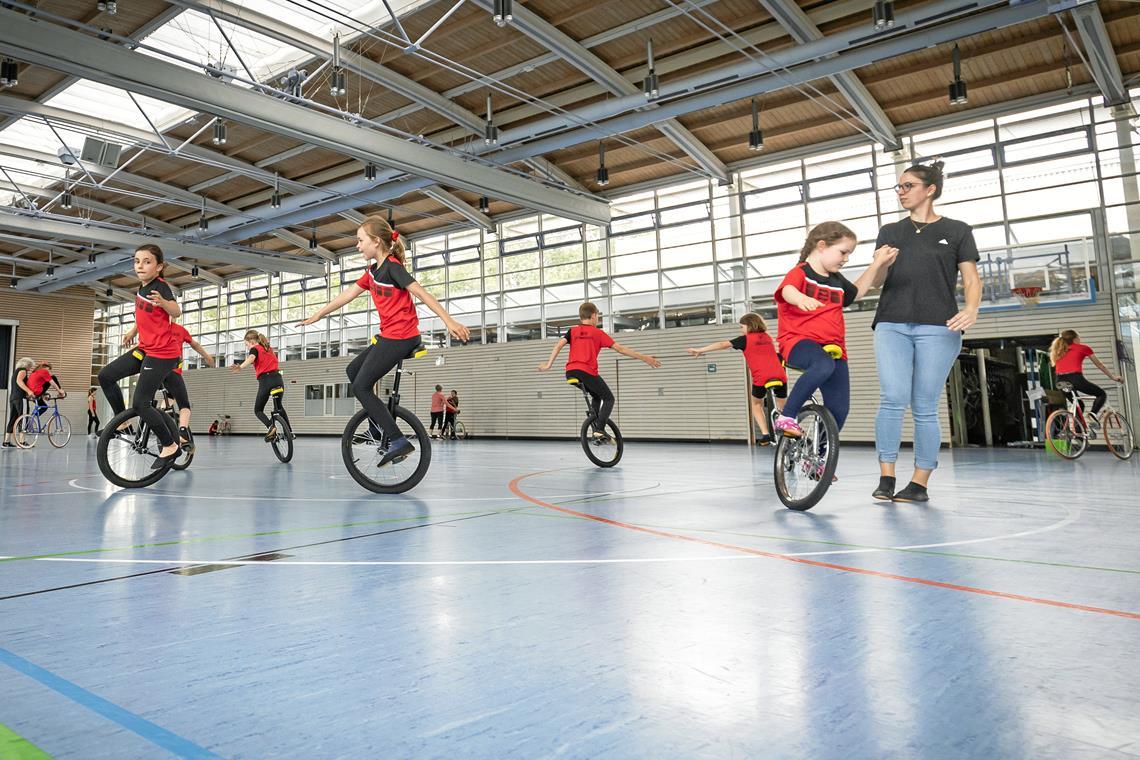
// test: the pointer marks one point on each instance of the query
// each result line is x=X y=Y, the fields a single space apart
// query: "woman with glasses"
x=919 y=324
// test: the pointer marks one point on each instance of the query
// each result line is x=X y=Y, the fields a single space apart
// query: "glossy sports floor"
x=521 y=603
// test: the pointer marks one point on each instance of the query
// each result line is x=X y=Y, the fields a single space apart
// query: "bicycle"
x=29 y=427
x=604 y=450
x=363 y=444
x=282 y=440
x=1068 y=431
x=128 y=447
x=803 y=467
x=458 y=430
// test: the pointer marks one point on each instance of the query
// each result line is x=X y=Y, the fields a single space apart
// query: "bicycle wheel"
x=1065 y=435
x=605 y=451
x=803 y=467
x=363 y=444
x=26 y=431
x=59 y=431
x=282 y=443
x=461 y=431
x=125 y=457
x=1117 y=434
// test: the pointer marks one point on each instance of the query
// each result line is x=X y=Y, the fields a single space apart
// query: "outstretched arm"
x=651 y=361
x=720 y=345
x=458 y=331
x=1108 y=373
x=239 y=367
x=874 y=275
x=346 y=295
x=553 y=355
x=202 y=352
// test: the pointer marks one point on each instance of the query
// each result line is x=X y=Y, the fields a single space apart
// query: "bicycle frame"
x=38 y=412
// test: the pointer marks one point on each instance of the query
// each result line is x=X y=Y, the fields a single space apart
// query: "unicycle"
x=125 y=456
x=803 y=467
x=282 y=441
x=604 y=449
x=363 y=444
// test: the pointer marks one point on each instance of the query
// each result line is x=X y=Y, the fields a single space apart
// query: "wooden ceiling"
x=999 y=66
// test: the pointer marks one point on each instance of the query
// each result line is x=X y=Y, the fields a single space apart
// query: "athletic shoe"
x=399 y=450
x=912 y=493
x=9 y=446
x=886 y=489
x=788 y=427
x=765 y=440
x=271 y=433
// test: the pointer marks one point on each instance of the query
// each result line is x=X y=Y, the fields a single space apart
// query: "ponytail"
x=259 y=338
x=829 y=232
x=377 y=228
x=1061 y=345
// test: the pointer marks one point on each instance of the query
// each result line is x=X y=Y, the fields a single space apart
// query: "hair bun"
x=938 y=165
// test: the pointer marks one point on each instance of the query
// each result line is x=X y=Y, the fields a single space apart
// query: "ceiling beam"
x=552 y=38
x=479 y=219
x=1099 y=53
x=803 y=30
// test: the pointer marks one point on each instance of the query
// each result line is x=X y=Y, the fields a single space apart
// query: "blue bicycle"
x=29 y=427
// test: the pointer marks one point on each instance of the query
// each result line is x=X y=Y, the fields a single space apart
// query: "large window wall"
x=699 y=253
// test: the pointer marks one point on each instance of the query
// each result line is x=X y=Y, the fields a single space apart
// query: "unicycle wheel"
x=282 y=443
x=606 y=450
x=363 y=445
x=125 y=458
x=803 y=467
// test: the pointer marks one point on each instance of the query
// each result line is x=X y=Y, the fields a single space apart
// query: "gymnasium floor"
x=520 y=603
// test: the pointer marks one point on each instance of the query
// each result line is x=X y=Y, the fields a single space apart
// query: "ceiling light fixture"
x=337 y=79
x=649 y=86
x=603 y=178
x=501 y=13
x=219 y=132
x=490 y=131
x=957 y=87
x=370 y=171
x=275 y=200
x=756 y=137
x=203 y=224
x=484 y=205
x=9 y=73
x=883 y=15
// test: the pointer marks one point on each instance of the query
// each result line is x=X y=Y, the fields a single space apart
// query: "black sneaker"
x=765 y=440
x=912 y=492
x=886 y=489
x=399 y=450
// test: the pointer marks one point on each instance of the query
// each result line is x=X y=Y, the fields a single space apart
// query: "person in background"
x=213 y=428
x=1068 y=354
x=41 y=381
x=18 y=393
x=92 y=414
x=451 y=408
x=437 y=407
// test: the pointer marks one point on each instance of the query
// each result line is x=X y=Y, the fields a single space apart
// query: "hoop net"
x=1028 y=296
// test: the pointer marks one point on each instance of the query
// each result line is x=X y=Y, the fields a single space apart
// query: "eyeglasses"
x=905 y=187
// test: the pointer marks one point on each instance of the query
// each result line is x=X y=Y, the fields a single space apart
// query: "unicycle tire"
x=126 y=461
x=606 y=452
x=282 y=443
x=362 y=445
x=803 y=467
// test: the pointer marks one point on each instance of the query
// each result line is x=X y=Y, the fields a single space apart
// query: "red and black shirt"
x=156 y=338
x=586 y=342
x=388 y=283
x=39 y=381
x=1073 y=360
x=825 y=324
x=183 y=336
x=760 y=355
x=264 y=360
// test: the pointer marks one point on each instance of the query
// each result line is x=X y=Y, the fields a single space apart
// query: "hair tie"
x=395 y=235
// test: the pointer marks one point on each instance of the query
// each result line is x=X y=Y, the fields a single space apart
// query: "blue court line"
x=138 y=725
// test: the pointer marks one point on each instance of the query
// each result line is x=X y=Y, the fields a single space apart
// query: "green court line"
x=230 y=537
x=842 y=545
x=15 y=747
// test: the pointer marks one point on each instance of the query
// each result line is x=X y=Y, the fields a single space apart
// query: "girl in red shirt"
x=392 y=289
x=809 y=313
x=763 y=364
x=270 y=384
x=1067 y=355
x=158 y=352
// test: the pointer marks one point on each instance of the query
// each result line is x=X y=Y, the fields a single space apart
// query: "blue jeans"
x=820 y=372
x=914 y=362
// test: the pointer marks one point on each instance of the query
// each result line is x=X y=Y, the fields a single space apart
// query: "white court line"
x=1071 y=517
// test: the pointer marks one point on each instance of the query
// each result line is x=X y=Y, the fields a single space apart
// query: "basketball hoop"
x=1028 y=296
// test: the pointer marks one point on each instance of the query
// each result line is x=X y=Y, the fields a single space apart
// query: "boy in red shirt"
x=586 y=341
x=809 y=312
x=763 y=364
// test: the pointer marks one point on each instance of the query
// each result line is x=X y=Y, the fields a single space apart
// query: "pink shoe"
x=788 y=427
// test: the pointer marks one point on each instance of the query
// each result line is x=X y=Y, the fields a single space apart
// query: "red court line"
x=517 y=491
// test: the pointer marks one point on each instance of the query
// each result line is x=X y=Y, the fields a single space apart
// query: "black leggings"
x=1082 y=384
x=601 y=397
x=92 y=422
x=176 y=387
x=152 y=372
x=368 y=367
x=15 y=409
x=437 y=419
x=266 y=384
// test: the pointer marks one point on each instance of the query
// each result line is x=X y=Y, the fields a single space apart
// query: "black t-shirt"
x=15 y=392
x=921 y=283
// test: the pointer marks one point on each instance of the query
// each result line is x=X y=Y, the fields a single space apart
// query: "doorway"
x=998 y=394
x=7 y=362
